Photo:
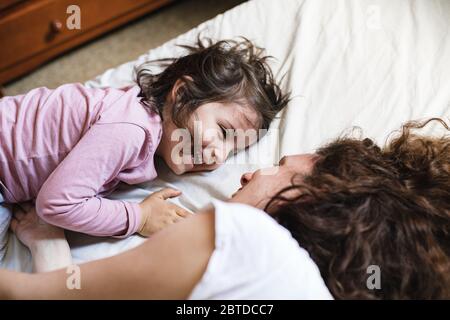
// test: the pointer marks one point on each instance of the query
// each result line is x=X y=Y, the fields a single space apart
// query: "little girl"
x=67 y=148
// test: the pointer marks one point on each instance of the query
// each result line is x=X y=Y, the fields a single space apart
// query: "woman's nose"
x=246 y=177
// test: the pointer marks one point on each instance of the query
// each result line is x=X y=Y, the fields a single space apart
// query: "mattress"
x=371 y=64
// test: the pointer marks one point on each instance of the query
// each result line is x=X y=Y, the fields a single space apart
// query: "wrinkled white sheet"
x=367 y=63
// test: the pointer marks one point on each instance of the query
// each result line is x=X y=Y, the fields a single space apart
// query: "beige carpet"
x=122 y=45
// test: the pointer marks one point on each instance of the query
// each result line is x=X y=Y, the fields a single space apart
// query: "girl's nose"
x=216 y=153
x=246 y=177
x=222 y=152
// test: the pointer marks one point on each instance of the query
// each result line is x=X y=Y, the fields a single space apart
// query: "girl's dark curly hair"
x=225 y=71
x=365 y=205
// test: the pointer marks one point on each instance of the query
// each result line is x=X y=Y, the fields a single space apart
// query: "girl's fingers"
x=27 y=206
x=183 y=213
x=21 y=209
x=13 y=225
x=18 y=214
x=17 y=208
x=180 y=211
x=176 y=218
x=167 y=193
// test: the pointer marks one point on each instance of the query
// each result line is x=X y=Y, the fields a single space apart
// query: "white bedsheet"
x=367 y=63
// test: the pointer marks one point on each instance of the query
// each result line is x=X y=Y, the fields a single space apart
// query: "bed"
x=373 y=64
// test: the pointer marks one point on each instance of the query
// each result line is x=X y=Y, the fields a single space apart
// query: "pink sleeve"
x=69 y=197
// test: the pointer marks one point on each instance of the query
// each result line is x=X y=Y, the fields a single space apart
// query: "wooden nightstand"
x=34 y=31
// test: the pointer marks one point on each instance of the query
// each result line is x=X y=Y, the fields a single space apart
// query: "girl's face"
x=259 y=187
x=213 y=132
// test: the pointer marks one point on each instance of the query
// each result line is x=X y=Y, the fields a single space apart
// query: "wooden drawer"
x=38 y=27
x=8 y=3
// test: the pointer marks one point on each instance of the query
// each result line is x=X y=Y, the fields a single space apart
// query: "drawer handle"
x=56 y=26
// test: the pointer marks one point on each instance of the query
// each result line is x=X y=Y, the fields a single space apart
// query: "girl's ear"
x=173 y=93
x=178 y=84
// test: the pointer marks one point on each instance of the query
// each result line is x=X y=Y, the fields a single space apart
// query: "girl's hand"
x=157 y=213
x=30 y=229
x=48 y=245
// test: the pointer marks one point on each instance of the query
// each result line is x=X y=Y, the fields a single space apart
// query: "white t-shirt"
x=256 y=258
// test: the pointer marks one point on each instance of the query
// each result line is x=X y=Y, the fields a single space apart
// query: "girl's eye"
x=224 y=131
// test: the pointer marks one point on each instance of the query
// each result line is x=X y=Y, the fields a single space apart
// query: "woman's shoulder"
x=250 y=223
x=241 y=224
x=256 y=258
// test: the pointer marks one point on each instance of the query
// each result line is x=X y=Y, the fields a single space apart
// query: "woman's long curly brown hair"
x=364 y=205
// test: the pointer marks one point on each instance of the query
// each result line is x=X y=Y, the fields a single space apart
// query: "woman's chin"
x=240 y=197
x=236 y=193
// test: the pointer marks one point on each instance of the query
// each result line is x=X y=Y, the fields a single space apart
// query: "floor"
x=122 y=45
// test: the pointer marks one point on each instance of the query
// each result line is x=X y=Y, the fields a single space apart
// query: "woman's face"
x=259 y=187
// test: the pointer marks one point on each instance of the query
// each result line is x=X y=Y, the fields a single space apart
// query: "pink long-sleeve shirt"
x=69 y=147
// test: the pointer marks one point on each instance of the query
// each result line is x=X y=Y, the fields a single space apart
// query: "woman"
x=351 y=205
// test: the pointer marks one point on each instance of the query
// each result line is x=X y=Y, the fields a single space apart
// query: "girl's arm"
x=48 y=245
x=70 y=199
x=51 y=255
x=167 y=266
